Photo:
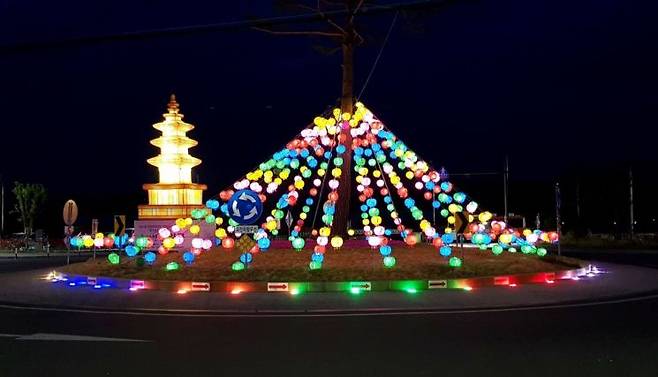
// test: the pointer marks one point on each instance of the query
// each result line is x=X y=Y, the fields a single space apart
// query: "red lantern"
x=428 y=195
x=319 y=249
x=228 y=243
x=162 y=250
x=437 y=242
x=411 y=240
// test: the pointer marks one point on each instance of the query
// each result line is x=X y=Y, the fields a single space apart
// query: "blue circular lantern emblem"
x=245 y=207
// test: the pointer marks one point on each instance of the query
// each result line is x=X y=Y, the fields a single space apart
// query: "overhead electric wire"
x=209 y=28
x=379 y=55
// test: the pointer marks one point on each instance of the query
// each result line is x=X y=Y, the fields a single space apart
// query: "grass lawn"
x=420 y=262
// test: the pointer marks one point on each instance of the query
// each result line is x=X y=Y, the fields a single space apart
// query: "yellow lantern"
x=336 y=242
x=220 y=233
x=195 y=229
x=505 y=238
x=169 y=243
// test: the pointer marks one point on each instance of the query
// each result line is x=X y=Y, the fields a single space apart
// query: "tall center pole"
x=346 y=106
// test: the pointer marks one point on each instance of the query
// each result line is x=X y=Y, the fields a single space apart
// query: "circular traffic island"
x=421 y=262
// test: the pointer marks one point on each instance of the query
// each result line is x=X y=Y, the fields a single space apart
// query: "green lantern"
x=172 y=266
x=237 y=266
x=455 y=262
x=497 y=249
x=541 y=252
x=113 y=258
x=298 y=243
x=389 y=262
x=315 y=265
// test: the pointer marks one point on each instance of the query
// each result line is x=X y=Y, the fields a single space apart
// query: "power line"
x=214 y=27
x=379 y=55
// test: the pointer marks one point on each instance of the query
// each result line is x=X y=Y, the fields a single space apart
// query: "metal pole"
x=505 y=178
x=433 y=209
x=630 y=186
x=557 y=217
x=2 y=204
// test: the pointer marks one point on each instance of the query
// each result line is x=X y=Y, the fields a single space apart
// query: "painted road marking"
x=68 y=338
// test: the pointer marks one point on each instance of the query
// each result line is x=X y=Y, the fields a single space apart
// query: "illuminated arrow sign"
x=200 y=286
x=119 y=225
x=277 y=287
x=434 y=284
x=137 y=284
x=461 y=222
x=361 y=285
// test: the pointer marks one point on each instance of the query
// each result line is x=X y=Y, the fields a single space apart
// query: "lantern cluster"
x=399 y=195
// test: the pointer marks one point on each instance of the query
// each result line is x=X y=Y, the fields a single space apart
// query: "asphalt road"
x=32 y=263
x=615 y=339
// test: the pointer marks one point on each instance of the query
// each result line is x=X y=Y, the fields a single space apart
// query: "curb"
x=355 y=287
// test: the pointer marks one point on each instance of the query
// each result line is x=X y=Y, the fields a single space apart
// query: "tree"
x=29 y=200
x=340 y=27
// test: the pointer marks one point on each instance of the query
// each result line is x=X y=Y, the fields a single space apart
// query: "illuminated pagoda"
x=175 y=195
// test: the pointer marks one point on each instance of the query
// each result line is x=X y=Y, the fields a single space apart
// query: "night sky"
x=567 y=89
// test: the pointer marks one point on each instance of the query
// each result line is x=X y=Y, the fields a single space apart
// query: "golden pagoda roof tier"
x=173 y=124
x=182 y=141
x=174 y=186
x=182 y=160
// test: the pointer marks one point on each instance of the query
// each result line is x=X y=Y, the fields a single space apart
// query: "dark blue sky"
x=560 y=86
